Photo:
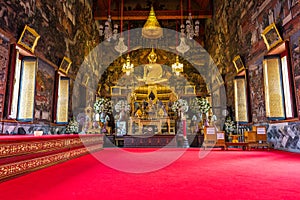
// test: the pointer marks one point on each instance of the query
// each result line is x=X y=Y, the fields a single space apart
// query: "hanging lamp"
x=127 y=66
x=152 y=29
x=106 y=30
x=183 y=47
x=177 y=67
x=121 y=47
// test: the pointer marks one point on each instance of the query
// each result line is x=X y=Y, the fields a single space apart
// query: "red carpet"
x=219 y=175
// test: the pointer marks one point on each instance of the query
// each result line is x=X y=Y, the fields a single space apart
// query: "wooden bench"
x=213 y=138
x=257 y=137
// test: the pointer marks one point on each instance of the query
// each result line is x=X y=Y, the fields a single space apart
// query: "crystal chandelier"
x=177 y=67
x=121 y=47
x=183 y=47
x=127 y=66
x=106 y=30
x=189 y=30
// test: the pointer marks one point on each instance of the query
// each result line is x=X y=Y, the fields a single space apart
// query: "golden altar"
x=158 y=122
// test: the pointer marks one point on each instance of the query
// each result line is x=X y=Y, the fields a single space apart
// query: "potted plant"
x=230 y=127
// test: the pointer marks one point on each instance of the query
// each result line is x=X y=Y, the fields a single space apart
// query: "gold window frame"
x=65 y=65
x=271 y=36
x=29 y=39
x=238 y=64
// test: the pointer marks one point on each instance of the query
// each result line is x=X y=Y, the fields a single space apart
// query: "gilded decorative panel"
x=273 y=88
x=240 y=99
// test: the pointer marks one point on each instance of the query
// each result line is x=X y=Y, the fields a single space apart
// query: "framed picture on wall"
x=238 y=64
x=271 y=36
x=29 y=39
x=65 y=65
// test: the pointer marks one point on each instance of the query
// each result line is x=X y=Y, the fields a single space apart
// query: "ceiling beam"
x=160 y=15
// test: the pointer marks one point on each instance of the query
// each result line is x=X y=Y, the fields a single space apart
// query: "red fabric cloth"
x=218 y=175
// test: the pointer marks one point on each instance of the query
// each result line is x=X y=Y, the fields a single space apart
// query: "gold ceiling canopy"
x=152 y=29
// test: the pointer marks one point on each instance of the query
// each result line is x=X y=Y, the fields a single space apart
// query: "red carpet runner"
x=219 y=175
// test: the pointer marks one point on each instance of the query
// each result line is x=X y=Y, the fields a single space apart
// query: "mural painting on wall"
x=4 y=58
x=64 y=26
x=257 y=94
x=295 y=56
x=44 y=91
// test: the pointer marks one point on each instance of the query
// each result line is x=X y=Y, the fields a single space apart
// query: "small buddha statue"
x=138 y=113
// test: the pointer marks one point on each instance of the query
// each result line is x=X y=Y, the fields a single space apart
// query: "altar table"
x=146 y=122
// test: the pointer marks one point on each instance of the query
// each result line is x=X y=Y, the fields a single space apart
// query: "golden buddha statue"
x=153 y=71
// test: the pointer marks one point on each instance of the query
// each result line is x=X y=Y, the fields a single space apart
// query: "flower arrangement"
x=73 y=126
x=200 y=105
x=122 y=106
x=103 y=105
x=180 y=105
x=230 y=125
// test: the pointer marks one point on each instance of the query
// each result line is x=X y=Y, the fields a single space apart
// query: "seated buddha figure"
x=153 y=71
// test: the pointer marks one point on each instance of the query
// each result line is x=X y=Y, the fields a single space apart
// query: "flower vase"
x=97 y=117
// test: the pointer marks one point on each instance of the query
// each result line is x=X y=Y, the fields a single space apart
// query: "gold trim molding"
x=29 y=154
x=26 y=166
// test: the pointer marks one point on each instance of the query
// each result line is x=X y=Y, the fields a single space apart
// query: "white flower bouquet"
x=200 y=105
x=180 y=105
x=230 y=125
x=103 y=105
x=122 y=105
x=73 y=126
